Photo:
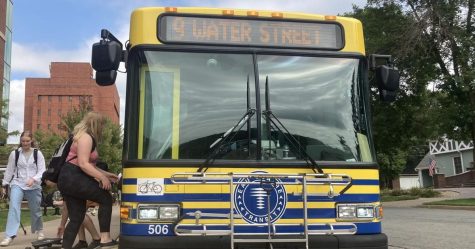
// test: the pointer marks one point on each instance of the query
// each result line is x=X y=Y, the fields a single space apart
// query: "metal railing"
x=269 y=181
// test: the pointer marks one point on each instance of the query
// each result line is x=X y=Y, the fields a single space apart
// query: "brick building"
x=46 y=99
x=6 y=8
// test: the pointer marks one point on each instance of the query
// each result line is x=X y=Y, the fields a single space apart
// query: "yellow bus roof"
x=143 y=25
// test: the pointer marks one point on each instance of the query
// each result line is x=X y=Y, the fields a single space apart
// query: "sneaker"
x=81 y=244
x=41 y=235
x=108 y=244
x=6 y=242
x=94 y=244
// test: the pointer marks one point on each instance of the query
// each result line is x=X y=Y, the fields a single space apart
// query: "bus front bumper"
x=372 y=241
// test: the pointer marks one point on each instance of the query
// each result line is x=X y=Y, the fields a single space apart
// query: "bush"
x=414 y=192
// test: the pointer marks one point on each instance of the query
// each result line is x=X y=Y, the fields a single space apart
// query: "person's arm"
x=7 y=177
x=84 y=146
x=112 y=177
x=41 y=167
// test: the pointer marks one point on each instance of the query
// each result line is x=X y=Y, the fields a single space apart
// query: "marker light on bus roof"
x=171 y=9
x=277 y=15
x=252 y=13
x=330 y=18
x=228 y=12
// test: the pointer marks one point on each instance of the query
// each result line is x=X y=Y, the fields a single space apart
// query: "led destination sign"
x=263 y=33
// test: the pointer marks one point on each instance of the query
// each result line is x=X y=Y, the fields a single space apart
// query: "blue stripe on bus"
x=225 y=197
x=290 y=213
x=133 y=181
x=159 y=229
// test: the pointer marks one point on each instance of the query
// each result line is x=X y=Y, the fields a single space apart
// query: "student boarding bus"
x=247 y=129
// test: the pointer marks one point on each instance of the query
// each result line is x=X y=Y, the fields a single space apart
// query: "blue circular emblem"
x=255 y=201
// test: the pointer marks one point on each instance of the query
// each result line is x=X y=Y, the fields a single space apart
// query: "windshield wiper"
x=270 y=117
x=219 y=143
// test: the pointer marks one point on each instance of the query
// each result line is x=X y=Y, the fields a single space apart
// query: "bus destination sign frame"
x=257 y=32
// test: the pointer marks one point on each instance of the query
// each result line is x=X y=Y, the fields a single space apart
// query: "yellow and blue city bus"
x=247 y=129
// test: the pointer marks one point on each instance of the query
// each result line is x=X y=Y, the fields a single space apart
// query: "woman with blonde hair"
x=80 y=180
x=23 y=178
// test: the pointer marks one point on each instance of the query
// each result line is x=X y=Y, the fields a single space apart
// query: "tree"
x=4 y=134
x=109 y=146
x=445 y=28
x=402 y=127
x=47 y=142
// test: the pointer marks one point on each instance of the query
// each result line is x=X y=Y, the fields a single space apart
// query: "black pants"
x=77 y=187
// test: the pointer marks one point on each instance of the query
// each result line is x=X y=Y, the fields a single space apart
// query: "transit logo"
x=254 y=201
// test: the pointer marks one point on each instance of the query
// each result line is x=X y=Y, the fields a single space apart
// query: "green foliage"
x=410 y=194
x=47 y=142
x=5 y=153
x=110 y=146
x=433 y=100
x=438 y=48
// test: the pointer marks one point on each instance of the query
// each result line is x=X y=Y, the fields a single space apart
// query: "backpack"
x=59 y=159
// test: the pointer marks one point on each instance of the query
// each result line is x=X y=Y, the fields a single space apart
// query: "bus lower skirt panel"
x=372 y=241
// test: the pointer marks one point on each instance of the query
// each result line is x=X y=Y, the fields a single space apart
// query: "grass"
x=25 y=217
x=470 y=202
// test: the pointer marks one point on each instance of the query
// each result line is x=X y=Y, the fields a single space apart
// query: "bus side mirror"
x=387 y=77
x=106 y=57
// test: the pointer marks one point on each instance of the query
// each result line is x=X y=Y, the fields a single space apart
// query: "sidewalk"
x=447 y=194
x=50 y=228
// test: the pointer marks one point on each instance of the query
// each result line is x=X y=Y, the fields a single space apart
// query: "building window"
x=49 y=126
x=39 y=112
x=59 y=112
x=458 y=165
x=49 y=112
x=49 y=98
x=60 y=98
x=39 y=97
x=38 y=126
x=70 y=98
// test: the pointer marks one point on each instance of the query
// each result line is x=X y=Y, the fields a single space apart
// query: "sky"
x=64 y=30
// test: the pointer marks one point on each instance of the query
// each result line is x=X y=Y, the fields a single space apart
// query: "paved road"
x=22 y=241
x=409 y=226
x=427 y=228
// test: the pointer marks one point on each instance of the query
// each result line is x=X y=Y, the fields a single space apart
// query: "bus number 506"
x=158 y=229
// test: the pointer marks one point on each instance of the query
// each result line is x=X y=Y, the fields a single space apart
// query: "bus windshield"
x=189 y=104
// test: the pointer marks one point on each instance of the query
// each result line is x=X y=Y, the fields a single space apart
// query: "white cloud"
x=16 y=106
x=37 y=65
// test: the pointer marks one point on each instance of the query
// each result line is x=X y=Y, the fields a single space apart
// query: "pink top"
x=73 y=153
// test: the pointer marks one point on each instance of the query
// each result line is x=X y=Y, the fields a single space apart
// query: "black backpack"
x=59 y=159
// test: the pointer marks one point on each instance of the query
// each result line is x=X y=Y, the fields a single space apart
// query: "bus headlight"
x=350 y=211
x=169 y=212
x=346 y=212
x=148 y=213
x=365 y=212
x=158 y=212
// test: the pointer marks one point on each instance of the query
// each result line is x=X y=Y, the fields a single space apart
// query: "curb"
x=469 y=208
